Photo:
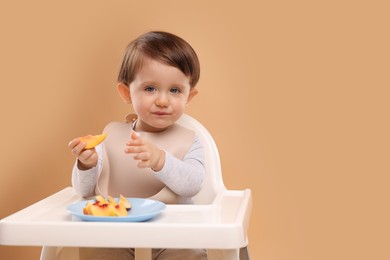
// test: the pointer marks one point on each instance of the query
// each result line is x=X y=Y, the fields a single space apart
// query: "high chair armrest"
x=230 y=200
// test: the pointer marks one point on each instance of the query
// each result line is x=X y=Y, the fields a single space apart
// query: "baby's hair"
x=160 y=46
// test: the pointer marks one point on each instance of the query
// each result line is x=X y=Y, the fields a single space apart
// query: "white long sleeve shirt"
x=183 y=177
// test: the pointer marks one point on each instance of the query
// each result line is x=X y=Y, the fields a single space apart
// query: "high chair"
x=218 y=221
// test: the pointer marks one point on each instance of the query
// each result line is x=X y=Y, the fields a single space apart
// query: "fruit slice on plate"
x=92 y=140
x=123 y=201
x=103 y=207
x=100 y=200
x=118 y=210
x=87 y=208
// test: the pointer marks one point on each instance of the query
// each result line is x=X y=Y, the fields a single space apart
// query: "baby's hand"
x=86 y=158
x=146 y=153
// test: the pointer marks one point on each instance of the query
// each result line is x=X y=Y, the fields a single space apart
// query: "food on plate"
x=124 y=202
x=107 y=207
x=92 y=140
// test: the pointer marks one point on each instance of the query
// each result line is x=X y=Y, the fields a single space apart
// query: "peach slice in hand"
x=92 y=140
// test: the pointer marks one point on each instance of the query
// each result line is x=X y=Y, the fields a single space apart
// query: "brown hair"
x=163 y=47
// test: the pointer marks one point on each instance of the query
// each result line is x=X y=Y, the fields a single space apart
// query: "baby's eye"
x=175 y=90
x=150 y=89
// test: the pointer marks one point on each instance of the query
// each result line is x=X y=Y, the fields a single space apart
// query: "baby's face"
x=159 y=94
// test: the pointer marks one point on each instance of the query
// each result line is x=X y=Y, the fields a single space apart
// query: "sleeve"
x=84 y=182
x=184 y=177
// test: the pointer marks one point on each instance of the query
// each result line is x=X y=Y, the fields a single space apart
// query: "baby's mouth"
x=160 y=113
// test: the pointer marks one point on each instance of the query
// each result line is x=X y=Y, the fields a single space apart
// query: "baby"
x=150 y=155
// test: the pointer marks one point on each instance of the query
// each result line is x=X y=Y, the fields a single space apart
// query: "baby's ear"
x=124 y=92
x=193 y=93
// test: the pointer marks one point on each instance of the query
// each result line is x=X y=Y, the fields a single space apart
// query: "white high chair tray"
x=221 y=225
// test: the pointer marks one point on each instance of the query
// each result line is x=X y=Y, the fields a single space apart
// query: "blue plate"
x=141 y=210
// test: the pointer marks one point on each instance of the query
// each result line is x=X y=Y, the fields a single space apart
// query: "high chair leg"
x=60 y=253
x=48 y=252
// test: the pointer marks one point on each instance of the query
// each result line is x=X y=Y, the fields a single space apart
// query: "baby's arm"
x=84 y=181
x=184 y=177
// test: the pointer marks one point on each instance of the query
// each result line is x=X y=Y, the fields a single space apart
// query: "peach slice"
x=87 y=209
x=103 y=207
x=123 y=201
x=118 y=210
x=100 y=199
x=99 y=210
x=92 y=140
x=122 y=211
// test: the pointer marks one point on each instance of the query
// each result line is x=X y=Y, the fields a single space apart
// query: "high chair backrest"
x=213 y=182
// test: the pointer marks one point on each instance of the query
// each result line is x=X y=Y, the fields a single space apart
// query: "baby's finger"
x=85 y=155
x=73 y=143
x=142 y=156
x=135 y=149
x=77 y=150
x=134 y=135
x=143 y=164
x=137 y=142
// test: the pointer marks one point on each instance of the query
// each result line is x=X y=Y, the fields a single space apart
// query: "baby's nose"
x=162 y=100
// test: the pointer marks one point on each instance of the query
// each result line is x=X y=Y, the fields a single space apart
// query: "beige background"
x=295 y=94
